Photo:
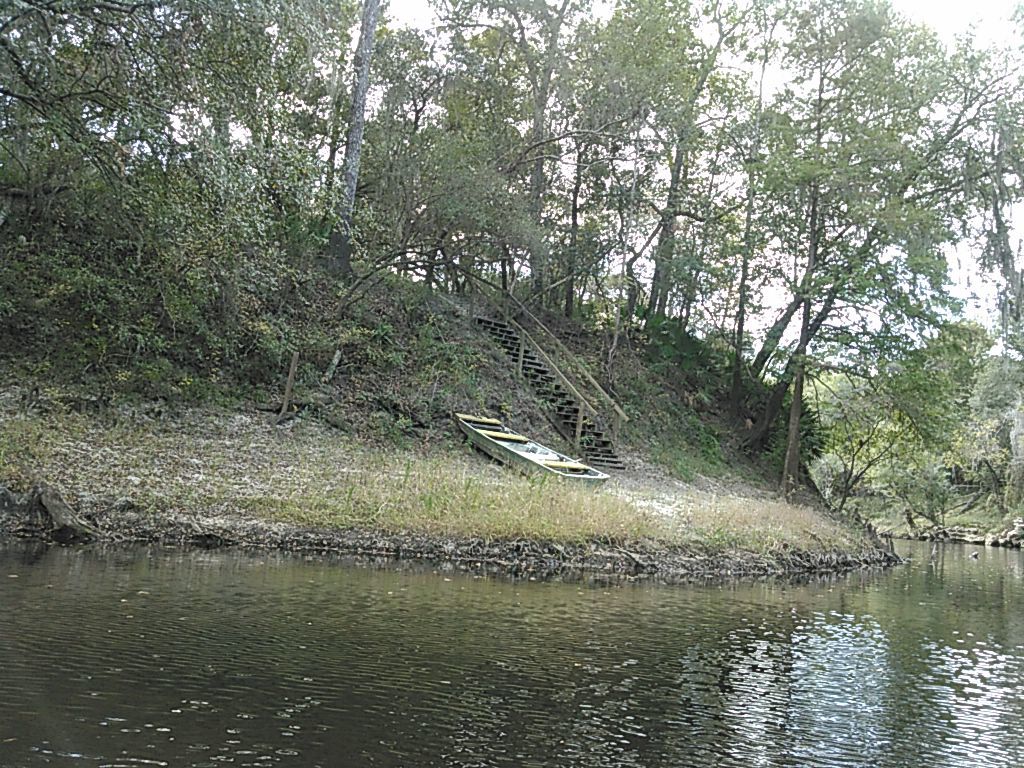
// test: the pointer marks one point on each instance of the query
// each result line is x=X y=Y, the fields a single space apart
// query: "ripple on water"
x=144 y=657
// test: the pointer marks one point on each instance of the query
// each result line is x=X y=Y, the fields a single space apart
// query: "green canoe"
x=496 y=440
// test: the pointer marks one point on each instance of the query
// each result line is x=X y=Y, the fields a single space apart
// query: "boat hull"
x=526 y=455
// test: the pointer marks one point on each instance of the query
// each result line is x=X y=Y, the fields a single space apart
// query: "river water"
x=137 y=656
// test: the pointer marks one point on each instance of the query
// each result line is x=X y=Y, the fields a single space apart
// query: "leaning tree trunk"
x=543 y=76
x=736 y=387
x=753 y=157
x=791 y=467
x=339 y=249
x=665 y=249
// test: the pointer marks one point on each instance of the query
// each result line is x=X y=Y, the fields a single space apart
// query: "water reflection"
x=146 y=656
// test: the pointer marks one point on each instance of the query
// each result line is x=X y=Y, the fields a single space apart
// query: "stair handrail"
x=577 y=364
x=580 y=367
x=584 y=403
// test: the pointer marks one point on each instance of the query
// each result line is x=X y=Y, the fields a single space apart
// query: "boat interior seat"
x=512 y=437
x=478 y=419
x=566 y=465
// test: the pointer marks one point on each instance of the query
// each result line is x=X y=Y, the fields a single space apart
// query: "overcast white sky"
x=990 y=18
x=948 y=17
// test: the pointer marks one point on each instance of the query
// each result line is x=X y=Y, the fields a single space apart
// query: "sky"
x=991 y=18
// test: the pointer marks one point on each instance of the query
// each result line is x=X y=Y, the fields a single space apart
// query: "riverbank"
x=224 y=477
x=1011 y=537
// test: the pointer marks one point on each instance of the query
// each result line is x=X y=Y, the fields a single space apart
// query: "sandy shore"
x=207 y=477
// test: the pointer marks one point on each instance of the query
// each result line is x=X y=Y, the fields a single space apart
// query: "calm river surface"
x=136 y=656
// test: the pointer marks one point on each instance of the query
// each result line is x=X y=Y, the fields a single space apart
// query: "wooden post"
x=329 y=374
x=288 y=386
x=522 y=353
x=579 y=426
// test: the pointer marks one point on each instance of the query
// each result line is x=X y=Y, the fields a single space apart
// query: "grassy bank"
x=209 y=464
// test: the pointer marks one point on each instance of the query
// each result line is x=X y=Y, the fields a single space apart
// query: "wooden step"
x=603 y=455
x=543 y=386
x=565 y=409
x=606 y=464
x=505 y=333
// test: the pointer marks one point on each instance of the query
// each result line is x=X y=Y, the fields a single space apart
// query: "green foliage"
x=146 y=288
x=675 y=352
x=168 y=179
x=148 y=246
x=988 y=444
x=919 y=489
x=690 y=450
x=895 y=433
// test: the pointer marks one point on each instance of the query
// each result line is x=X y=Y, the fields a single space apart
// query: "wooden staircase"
x=574 y=418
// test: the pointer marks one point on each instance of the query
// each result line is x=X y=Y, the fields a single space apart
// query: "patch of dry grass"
x=207 y=463
x=760 y=524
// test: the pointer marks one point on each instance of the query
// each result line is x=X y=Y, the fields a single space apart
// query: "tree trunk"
x=678 y=176
x=538 y=258
x=542 y=78
x=1015 y=476
x=632 y=292
x=736 y=389
x=753 y=155
x=665 y=248
x=506 y=261
x=758 y=435
x=574 y=235
x=339 y=248
x=44 y=514
x=791 y=467
x=775 y=333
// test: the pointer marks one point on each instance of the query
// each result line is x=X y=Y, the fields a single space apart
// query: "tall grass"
x=206 y=464
x=435 y=496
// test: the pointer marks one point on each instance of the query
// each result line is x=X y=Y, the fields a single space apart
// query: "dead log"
x=42 y=513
